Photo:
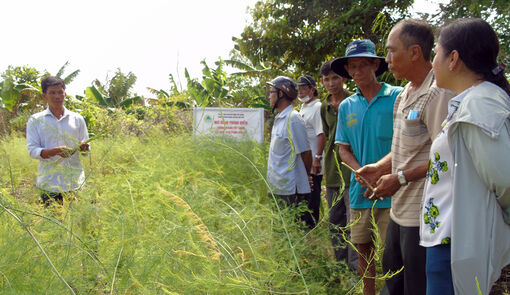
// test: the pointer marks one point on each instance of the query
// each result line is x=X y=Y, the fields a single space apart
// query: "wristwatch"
x=318 y=157
x=401 y=178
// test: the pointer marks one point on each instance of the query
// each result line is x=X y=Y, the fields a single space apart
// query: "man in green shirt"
x=339 y=205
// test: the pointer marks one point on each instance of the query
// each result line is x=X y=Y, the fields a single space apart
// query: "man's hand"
x=316 y=166
x=310 y=181
x=387 y=186
x=62 y=151
x=84 y=146
x=370 y=173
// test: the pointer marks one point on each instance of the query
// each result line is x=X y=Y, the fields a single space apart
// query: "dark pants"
x=314 y=202
x=402 y=249
x=338 y=218
x=49 y=197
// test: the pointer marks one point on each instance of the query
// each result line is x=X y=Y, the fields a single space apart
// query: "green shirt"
x=329 y=117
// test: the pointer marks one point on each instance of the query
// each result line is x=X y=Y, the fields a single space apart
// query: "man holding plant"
x=363 y=133
x=418 y=113
x=53 y=137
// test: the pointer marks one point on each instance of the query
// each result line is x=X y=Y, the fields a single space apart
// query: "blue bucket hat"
x=358 y=48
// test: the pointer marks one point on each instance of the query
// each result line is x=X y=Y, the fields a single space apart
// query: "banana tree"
x=69 y=78
x=17 y=96
x=213 y=90
x=107 y=101
x=179 y=100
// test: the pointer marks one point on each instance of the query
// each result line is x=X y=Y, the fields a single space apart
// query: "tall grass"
x=160 y=215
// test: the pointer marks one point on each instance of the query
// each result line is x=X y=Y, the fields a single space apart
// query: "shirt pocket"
x=279 y=140
x=384 y=123
x=414 y=134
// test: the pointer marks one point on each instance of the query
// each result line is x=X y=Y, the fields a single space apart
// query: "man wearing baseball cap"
x=311 y=113
x=290 y=160
x=364 y=132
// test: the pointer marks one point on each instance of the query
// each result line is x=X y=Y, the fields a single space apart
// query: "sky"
x=151 y=38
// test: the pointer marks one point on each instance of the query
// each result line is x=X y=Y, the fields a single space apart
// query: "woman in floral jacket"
x=466 y=198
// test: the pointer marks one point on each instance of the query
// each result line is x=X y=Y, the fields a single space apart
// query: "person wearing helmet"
x=311 y=112
x=364 y=132
x=290 y=159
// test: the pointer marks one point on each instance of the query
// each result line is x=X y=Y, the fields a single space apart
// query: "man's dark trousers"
x=402 y=249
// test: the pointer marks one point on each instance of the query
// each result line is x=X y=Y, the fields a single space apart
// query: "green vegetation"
x=160 y=215
x=165 y=213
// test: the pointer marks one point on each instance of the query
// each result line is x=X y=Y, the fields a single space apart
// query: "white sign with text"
x=240 y=123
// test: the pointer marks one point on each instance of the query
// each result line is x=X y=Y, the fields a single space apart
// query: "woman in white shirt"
x=466 y=198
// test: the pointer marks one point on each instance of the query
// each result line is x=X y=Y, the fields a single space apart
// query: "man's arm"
x=63 y=151
x=84 y=136
x=35 y=147
x=316 y=164
x=306 y=156
x=388 y=184
x=347 y=156
x=372 y=172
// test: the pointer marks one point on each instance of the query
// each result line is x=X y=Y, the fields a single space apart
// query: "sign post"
x=240 y=123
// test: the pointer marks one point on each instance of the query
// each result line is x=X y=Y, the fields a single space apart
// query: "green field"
x=160 y=215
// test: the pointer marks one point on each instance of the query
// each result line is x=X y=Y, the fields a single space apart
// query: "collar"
x=454 y=103
x=384 y=91
x=47 y=112
x=408 y=100
x=313 y=102
x=426 y=84
x=285 y=112
x=328 y=105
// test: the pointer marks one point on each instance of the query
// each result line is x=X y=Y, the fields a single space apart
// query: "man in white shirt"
x=311 y=113
x=53 y=137
x=290 y=159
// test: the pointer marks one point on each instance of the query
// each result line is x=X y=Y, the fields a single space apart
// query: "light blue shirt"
x=286 y=171
x=368 y=129
x=44 y=131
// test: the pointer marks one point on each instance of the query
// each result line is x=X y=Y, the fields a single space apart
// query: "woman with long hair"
x=466 y=201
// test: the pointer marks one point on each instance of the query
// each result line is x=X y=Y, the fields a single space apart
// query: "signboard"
x=241 y=123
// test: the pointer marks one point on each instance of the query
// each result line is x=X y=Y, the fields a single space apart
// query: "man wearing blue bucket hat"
x=364 y=132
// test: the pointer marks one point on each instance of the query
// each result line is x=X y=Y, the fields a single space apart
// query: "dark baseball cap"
x=306 y=80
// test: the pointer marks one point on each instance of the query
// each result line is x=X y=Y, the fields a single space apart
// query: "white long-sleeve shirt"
x=45 y=131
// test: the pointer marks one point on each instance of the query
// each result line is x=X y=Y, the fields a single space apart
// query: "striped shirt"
x=417 y=121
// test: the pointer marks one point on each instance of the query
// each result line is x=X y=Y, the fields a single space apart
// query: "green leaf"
x=62 y=69
x=129 y=101
x=92 y=93
x=69 y=78
x=9 y=94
